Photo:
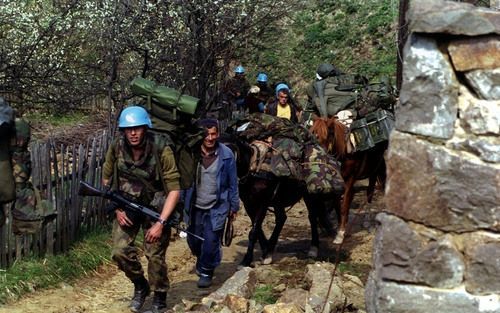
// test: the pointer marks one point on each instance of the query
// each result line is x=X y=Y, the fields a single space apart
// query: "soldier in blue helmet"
x=141 y=165
x=265 y=91
x=237 y=88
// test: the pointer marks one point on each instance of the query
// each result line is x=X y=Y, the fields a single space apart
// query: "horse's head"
x=242 y=152
x=331 y=134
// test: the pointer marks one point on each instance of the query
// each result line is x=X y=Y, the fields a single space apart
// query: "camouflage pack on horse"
x=261 y=186
x=285 y=149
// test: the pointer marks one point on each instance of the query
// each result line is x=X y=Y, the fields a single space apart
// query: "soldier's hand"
x=154 y=233
x=122 y=218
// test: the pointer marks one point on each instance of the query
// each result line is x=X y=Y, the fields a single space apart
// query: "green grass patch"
x=264 y=295
x=33 y=274
x=57 y=120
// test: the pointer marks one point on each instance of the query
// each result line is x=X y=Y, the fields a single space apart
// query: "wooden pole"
x=402 y=36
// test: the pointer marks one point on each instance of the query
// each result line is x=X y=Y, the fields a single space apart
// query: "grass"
x=33 y=274
x=57 y=120
x=264 y=295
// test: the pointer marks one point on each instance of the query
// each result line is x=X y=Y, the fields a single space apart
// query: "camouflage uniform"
x=237 y=89
x=142 y=182
x=7 y=186
x=29 y=210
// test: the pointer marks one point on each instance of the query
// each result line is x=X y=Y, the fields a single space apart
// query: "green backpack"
x=171 y=114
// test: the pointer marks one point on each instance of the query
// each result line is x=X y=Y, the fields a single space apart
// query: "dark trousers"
x=207 y=252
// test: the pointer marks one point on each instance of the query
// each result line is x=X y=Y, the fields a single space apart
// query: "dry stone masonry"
x=437 y=246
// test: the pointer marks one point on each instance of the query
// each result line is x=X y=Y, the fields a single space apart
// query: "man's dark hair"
x=208 y=123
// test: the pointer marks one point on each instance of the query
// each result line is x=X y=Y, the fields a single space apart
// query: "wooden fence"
x=56 y=173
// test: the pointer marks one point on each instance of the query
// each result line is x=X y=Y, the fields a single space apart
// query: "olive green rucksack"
x=171 y=114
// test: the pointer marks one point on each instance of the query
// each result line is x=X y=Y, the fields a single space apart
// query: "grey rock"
x=483 y=269
x=437 y=16
x=486 y=83
x=487 y=149
x=404 y=298
x=439 y=265
x=242 y=284
x=428 y=97
x=480 y=117
x=441 y=188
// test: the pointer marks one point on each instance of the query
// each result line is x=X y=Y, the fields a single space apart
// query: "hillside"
x=355 y=35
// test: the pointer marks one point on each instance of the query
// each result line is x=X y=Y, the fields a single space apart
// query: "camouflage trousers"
x=127 y=255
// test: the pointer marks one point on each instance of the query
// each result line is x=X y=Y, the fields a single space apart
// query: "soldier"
x=142 y=166
x=237 y=88
x=333 y=92
x=265 y=91
x=30 y=210
x=7 y=185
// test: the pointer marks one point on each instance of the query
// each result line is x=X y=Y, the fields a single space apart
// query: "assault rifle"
x=124 y=203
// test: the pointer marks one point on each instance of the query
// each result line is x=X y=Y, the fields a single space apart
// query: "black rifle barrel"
x=86 y=189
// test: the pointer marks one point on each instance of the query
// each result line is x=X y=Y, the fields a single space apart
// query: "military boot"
x=141 y=291
x=159 y=302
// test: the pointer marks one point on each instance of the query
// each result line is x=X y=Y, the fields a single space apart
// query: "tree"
x=59 y=54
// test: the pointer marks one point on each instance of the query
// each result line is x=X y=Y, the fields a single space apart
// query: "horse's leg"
x=255 y=233
x=280 y=218
x=312 y=214
x=379 y=176
x=344 y=209
x=372 y=180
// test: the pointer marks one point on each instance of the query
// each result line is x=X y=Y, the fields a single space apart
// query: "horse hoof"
x=313 y=252
x=339 y=238
x=267 y=260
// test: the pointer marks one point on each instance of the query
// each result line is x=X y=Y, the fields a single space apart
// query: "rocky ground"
x=108 y=290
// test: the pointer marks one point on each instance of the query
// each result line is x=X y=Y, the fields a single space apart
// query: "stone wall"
x=437 y=246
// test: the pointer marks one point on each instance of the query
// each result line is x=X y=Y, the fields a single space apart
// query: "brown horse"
x=370 y=164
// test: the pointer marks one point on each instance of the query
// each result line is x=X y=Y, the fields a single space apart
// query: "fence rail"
x=56 y=173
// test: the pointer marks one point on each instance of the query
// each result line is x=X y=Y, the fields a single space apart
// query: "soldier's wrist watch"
x=162 y=221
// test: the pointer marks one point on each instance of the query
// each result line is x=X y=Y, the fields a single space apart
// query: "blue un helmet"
x=239 y=70
x=134 y=116
x=280 y=87
x=262 y=78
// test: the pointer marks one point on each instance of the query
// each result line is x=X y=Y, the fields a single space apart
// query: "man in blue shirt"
x=210 y=200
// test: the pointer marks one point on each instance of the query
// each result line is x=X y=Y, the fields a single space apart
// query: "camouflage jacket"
x=156 y=171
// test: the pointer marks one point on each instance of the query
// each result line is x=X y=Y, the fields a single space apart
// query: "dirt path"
x=108 y=290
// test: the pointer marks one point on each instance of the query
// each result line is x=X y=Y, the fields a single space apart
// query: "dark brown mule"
x=370 y=164
x=260 y=191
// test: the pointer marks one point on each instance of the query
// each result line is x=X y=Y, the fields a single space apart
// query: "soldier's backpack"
x=353 y=92
x=171 y=114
